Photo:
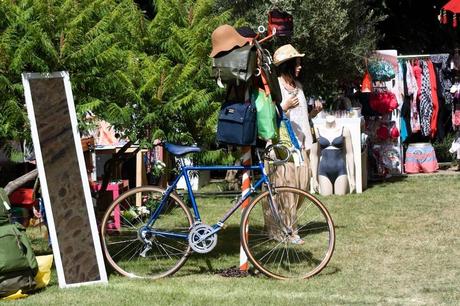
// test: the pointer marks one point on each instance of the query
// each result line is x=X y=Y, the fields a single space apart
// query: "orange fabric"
x=265 y=82
x=434 y=95
x=366 y=85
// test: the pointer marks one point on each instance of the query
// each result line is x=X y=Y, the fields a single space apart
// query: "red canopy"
x=453 y=6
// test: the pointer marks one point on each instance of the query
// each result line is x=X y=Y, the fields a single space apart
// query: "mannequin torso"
x=332 y=160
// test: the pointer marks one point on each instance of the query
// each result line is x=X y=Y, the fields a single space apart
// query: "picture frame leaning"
x=63 y=179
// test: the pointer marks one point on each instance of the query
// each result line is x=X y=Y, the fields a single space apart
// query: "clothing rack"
x=403 y=56
x=415 y=56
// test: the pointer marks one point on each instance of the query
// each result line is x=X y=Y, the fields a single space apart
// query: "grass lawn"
x=397 y=243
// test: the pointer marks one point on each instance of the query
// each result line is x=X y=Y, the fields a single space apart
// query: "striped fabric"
x=420 y=159
x=426 y=103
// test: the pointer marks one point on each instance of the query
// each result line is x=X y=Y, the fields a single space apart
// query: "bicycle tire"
x=282 y=256
x=123 y=246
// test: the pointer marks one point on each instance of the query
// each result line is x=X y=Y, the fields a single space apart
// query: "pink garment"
x=413 y=90
x=411 y=82
x=421 y=159
x=105 y=134
x=456 y=118
x=434 y=96
x=418 y=77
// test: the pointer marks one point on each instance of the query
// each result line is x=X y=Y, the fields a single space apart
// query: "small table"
x=116 y=188
x=140 y=169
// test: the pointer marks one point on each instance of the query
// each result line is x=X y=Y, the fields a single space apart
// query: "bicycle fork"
x=275 y=212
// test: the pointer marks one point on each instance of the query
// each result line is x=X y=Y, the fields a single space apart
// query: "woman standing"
x=294 y=104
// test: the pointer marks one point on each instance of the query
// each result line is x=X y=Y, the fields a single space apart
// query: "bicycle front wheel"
x=298 y=247
x=136 y=250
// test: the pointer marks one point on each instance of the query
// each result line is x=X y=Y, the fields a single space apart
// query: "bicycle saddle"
x=179 y=150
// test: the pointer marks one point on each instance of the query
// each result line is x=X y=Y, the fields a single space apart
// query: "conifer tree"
x=179 y=82
x=147 y=78
x=90 y=39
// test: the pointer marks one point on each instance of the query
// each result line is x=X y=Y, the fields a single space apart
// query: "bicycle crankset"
x=200 y=240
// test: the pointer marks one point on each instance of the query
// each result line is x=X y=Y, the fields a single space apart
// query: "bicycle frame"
x=184 y=170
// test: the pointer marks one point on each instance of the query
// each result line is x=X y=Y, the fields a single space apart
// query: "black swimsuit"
x=332 y=163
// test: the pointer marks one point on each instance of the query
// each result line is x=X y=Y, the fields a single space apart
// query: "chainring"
x=198 y=244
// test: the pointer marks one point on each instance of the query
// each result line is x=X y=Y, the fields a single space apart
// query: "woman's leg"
x=303 y=174
x=283 y=175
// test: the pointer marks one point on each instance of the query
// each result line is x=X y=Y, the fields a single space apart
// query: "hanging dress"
x=426 y=103
x=434 y=99
x=412 y=91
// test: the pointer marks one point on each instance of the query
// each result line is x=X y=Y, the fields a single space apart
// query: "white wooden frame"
x=44 y=184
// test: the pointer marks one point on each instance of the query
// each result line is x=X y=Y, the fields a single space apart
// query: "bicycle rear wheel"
x=301 y=253
x=135 y=250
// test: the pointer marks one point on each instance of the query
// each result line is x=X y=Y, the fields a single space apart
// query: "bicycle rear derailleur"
x=200 y=239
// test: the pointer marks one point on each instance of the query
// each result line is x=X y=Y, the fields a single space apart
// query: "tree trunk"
x=15 y=184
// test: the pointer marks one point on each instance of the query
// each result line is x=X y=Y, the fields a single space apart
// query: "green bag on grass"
x=266 y=115
x=18 y=265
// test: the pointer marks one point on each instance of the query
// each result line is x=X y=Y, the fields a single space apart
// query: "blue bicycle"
x=149 y=232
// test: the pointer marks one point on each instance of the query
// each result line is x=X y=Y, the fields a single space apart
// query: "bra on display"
x=337 y=142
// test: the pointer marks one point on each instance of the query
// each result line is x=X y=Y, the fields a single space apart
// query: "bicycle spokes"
x=138 y=250
x=299 y=246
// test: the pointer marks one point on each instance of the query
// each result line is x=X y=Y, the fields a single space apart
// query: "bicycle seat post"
x=181 y=163
x=258 y=153
x=259 y=157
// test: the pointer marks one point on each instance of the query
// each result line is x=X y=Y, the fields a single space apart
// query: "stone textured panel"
x=64 y=180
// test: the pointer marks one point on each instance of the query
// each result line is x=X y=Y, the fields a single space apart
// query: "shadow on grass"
x=228 y=246
x=228 y=243
x=386 y=181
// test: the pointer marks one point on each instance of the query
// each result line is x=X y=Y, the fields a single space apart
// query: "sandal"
x=295 y=239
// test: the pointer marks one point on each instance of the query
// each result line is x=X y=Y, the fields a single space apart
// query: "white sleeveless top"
x=298 y=115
